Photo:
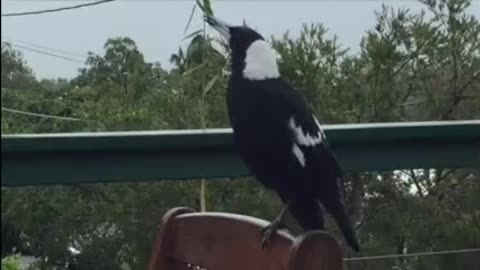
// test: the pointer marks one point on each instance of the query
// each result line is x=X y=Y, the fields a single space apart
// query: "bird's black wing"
x=309 y=143
x=311 y=149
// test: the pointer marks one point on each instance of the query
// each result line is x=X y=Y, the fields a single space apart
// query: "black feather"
x=261 y=114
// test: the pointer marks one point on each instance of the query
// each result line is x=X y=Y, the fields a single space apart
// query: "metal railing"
x=73 y=158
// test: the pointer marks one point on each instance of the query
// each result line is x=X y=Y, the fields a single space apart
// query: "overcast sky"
x=157 y=25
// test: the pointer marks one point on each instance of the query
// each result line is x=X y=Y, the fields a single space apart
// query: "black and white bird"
x=278 y=136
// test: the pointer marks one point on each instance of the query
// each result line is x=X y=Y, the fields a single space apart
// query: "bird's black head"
x=250 y=53
x=239 y=37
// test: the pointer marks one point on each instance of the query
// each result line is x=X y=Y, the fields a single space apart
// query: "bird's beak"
x=222 y=27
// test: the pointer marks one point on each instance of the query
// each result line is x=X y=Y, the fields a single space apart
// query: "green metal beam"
x=72 y=158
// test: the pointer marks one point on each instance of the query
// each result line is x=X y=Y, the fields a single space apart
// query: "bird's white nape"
x=261 y=62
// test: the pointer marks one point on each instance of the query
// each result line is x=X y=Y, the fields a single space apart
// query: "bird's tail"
x=336 y=208
x=308 y=213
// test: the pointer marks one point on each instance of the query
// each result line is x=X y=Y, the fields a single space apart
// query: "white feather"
x=299 y=154
x=303 y=138
x=261 y=62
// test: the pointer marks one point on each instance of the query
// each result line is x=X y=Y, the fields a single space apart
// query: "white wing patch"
x=261 y=62
x=298 y=154
x=304 y=139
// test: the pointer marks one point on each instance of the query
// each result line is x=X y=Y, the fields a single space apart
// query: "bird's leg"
x=268 y=230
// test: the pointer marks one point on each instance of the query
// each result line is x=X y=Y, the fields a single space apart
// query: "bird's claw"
x=267 y=232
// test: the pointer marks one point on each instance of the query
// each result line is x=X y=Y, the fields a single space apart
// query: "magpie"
x=278 y=137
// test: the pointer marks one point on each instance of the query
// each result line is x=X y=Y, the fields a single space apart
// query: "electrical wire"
x=26 y=43
x=41 y=115
x=420 y=254
x=47 y=53
x=36 y=12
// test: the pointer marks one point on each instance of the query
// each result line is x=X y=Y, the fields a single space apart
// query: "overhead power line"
x=226 y=0
x=41 y=115
x=41 y=47
x=47 y=53
x=55 y=9
x=420 y=254
x=37 y=12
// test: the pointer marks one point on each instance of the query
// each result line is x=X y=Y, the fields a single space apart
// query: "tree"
x=121 y=69
x=410 y=67
x=116 y=88
x=15 y=73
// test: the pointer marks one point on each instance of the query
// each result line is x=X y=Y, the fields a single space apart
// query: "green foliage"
x=206 y=7
x=410 y=67
x=10 y=263
x=122 y=71
x=15 y=72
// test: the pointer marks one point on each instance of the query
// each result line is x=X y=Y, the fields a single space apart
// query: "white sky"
x=157 y=25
